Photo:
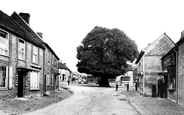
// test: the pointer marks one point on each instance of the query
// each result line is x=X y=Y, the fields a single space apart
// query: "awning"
x=162 y=73
x=57 y=73
x=27 y=69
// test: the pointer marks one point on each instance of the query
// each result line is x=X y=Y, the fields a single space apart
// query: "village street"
x=90 y=100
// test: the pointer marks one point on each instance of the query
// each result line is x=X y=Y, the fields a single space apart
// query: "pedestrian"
x=128 y=87
x=136 y=86
x=68 y=80
x=117 y=85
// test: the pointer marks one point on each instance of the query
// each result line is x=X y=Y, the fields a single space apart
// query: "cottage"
x=51 y=72
x=64 y=71
x=21 y=58
x=149 y=63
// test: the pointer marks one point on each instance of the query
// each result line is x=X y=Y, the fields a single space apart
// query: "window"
x=4 y=43
x=21 y=50
x=34 y=80
x=48 y=56
x=35 y=54
x=53 y=59
x=3 y=76
x=52 y=79
x=171 y=78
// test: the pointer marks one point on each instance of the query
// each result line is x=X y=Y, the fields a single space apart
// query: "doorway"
x=21 y=84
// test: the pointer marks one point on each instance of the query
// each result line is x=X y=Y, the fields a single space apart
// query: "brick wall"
x=181 y=73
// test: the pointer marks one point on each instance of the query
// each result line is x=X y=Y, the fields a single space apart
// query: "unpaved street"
x=90 y=100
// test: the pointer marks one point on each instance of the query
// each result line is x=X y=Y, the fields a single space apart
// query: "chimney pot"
x=25 y=16
x=182 y=34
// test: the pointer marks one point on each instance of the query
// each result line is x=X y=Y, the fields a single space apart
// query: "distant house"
x=21 y=57
x=127 y=78
x=149 y=63
x=64 y=71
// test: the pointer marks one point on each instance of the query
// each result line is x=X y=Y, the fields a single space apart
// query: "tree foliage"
x=105 y=52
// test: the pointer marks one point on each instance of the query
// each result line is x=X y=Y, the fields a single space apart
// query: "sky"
x=65 y=23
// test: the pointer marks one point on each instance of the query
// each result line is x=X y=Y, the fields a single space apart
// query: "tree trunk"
x=104 y=82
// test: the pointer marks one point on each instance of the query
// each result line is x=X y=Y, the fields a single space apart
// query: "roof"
x=158 y=47
x=47 y=45
x=63 y=66
x=30 y=35
x=129 y=68
x=139 y=57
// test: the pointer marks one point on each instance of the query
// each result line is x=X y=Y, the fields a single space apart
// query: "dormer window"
x=4 y=50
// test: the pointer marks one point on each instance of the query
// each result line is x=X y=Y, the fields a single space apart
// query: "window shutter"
x=10 y=77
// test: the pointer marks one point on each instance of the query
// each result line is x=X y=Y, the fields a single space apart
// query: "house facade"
x=149 y=63
x=64 y=71
x=21 y=58
x=51 y=72
x=127 y=78
x=173 y=64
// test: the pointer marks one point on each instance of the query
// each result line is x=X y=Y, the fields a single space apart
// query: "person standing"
x=117 y=85
x=128 y=87
x=68 y=80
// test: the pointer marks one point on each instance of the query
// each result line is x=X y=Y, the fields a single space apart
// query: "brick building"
x=27 y=64
x=149 y=63
x=173 y=64
x=51 y=72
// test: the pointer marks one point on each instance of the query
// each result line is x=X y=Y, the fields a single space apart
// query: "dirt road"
x=90 y=100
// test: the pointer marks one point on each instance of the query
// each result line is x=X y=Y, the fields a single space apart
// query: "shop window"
x=171 y=78
x=4 y=49
x=3 y=77
x=34 y=80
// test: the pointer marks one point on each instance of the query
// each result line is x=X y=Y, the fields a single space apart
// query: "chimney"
x=182 y=34
x=25 y=16
x=40 y=34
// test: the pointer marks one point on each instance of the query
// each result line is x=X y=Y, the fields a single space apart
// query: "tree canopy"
x=105 y=52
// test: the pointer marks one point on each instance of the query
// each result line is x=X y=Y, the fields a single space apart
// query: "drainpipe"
x=177 y=101
x=44 y=78
x=143 y=70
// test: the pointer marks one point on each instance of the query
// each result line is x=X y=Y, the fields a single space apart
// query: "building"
x=173 y=64
x=64 y=71
x=127 y=78
x=21 y=57
x=149 y=63
x=51 y=72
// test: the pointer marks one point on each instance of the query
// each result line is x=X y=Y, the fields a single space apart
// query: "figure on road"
x=68 y=80
x=128 y=87
x=117 y=85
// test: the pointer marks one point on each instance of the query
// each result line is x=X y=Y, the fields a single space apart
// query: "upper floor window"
x=53 y=59
x=35 y=55
x=4 y=50
x=21 y=49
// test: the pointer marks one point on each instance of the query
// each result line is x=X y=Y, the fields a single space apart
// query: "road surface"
x=90 y=100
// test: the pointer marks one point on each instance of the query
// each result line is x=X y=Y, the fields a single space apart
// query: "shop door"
x=21 y=82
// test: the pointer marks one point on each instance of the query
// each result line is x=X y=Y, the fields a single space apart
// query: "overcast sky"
x=65 y=23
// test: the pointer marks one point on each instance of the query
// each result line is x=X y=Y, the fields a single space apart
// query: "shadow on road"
x=93 y=85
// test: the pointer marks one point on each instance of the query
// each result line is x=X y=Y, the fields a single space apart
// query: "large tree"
x=104 y=53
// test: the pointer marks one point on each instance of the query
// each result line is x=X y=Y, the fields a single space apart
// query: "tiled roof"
x=129 y=68
x=162 y=46
x=63 y=66
x=30 y=36
x=51 y=50
x=9 y=24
